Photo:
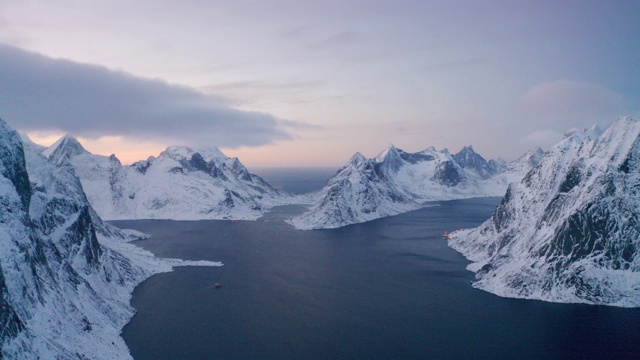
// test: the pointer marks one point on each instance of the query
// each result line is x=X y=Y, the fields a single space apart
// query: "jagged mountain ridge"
x=63 y=149
x=569 y=231
x=180 y=184
x=467 y=158
x=65 y=285
x=396 y=181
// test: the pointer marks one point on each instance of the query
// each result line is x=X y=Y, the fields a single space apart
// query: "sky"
x=309 y=83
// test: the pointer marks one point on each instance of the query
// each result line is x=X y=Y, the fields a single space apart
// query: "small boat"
x=446 y=235
x=218 y=285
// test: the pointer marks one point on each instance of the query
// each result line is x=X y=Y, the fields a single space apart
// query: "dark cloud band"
x=41 y=93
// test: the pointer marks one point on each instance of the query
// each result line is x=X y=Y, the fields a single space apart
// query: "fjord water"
x=296 y=180
x=387 y=289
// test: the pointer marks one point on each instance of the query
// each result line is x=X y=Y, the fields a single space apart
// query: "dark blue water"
x=387 y=289
x=296 y=180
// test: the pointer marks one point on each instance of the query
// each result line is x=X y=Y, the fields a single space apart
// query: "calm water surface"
x=387 y=289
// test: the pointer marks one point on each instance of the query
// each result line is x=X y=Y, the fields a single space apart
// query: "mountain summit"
x=64 y=149
x=469 y=159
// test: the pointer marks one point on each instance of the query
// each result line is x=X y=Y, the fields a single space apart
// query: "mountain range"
x=180 y=184
x=396 y=181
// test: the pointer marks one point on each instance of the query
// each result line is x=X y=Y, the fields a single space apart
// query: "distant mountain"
x=180 y=184
x=66 y=277
x=396 y=181
x=570 y=230
x=469 y=159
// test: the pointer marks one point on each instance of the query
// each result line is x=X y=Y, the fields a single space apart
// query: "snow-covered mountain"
x=47 y=174
x=396 y=181
x=180 y=184
x=570 y=230
x=66 y=277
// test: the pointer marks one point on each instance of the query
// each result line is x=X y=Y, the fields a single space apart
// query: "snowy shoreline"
x=152 y=265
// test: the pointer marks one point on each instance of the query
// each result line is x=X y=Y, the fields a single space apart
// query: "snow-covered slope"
x=65 y=285
x=569 y=231
x=396 y=181
x=180 y=184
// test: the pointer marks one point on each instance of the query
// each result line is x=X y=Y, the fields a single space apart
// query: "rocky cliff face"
x=569 y=231
x=57 y=300
x=18 y=244
x=396 y=181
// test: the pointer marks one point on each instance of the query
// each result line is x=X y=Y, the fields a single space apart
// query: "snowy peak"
x=469 y=159
x=590 y=133
x=391 y=160
x=467 y=154
x=391 y=151
x=356 y=159
x=63 y=149
x=211 y=153
x=467 y=150
x=12 y=164
x=568 y=232
x=177 y=152
x=184 y=160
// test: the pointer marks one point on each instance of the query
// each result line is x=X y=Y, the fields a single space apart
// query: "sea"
x=386 y=289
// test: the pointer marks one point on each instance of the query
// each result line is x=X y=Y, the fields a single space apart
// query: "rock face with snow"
x=396 y=181
x=66 y=277
x=48 y=174
x=180 y=184
x=58 y=285
x=569 y=231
